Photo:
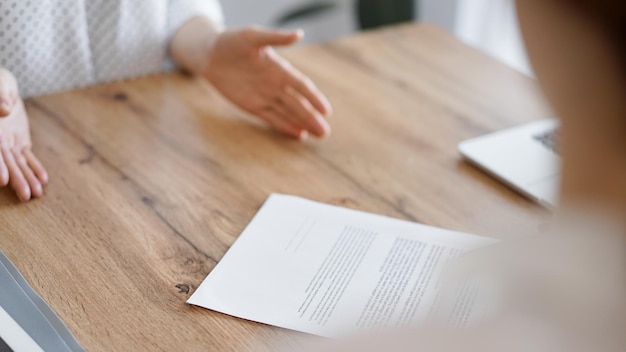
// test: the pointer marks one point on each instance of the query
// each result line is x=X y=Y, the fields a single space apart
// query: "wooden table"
x=153 y=179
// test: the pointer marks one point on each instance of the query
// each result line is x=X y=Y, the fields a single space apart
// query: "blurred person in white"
x=52 y=45
x=563 y=290
x=492 y=26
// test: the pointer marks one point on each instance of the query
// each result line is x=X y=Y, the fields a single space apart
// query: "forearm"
x=192 y=42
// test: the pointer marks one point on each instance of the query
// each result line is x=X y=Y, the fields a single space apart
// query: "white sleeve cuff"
x=180 y=11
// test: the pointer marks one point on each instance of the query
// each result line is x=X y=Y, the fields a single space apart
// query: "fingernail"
x=325 y=129
x=25 y=194
x=45 y=178
x=327 y=133
x=304 y=135
x=329 y=108
x=326 y=101
x=38 y=191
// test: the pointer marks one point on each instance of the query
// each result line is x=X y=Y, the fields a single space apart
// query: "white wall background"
x=329 y=25
x=489 y=25
x=440 y=12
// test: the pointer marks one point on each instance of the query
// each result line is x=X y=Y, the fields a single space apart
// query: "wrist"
x=207 y=50
x=193 y=42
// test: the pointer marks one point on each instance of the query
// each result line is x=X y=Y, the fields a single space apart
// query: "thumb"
x=265 y=37
x=8 y=92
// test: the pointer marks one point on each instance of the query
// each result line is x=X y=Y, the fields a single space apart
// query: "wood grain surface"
x=153 y=179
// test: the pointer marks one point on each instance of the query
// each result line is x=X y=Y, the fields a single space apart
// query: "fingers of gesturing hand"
x=36 y=166
x=303 y=113
x=265 y=37
x=4 y=172
x=16 y=177
x=281 y=121
x=23 y=172
x=307 y=89
x=36 y=188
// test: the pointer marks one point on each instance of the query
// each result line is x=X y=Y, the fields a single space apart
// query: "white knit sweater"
x=53 y=45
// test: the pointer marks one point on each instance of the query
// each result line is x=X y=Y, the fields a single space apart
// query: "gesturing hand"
x=246 y=70
x=18 y=165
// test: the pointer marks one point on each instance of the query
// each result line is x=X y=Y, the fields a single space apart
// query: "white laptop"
x=27 y=323
x=524 y=157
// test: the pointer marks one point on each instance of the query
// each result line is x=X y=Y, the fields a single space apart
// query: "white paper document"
x=331 y=271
